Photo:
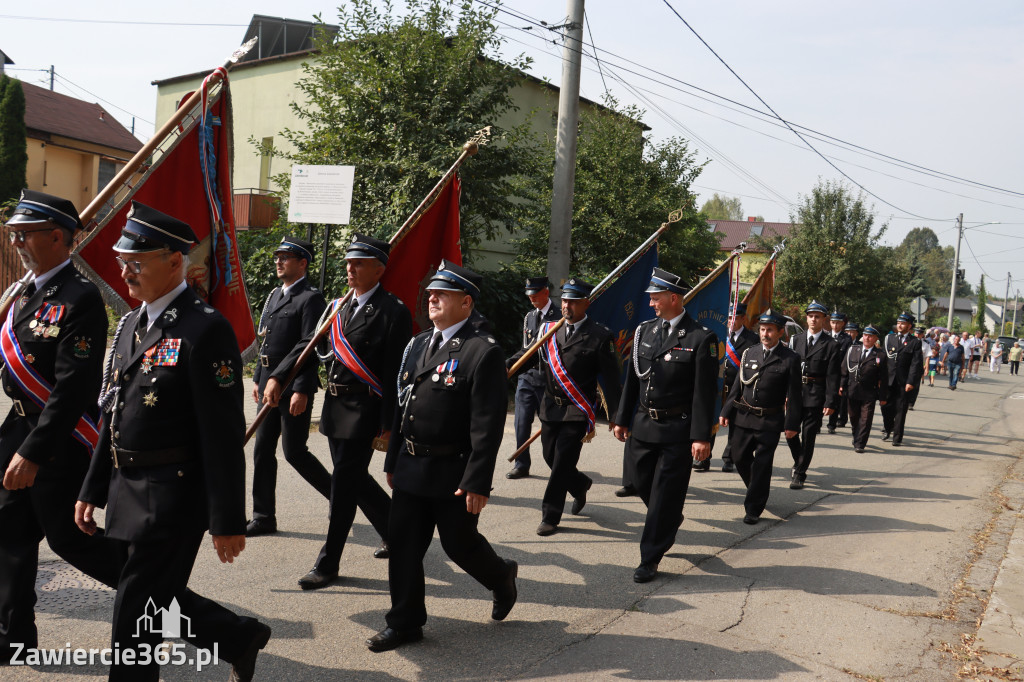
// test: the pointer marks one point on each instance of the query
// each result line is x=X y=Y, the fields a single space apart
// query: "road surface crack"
x=743 y=608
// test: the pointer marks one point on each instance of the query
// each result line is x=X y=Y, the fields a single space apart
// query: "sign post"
x=919 y=306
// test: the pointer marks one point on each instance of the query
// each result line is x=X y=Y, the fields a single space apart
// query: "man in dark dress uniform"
x=840 y=417
x=362 y=353
x=819 y=374
x=906 y=364
x=289 y=314
x=530 y=388
x=170 y=463
x=764 y=401
x=440 y=462
x=52 y=347
x=667 y=410
x=572 y=359
x=865 y=377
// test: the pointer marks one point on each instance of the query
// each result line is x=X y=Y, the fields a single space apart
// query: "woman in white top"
x=996 y=363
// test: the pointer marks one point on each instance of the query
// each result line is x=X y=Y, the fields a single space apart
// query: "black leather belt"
x=26 y=407
x=757 y=411
x=811 y=380
x=347 y=389
x=658 y=415
x=421 y=450
x=265 y=360
x=129 y=459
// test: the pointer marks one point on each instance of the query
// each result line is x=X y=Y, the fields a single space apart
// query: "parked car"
x=1007 y=342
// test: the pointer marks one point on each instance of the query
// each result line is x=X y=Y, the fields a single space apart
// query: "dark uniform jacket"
x=286 y=319
x=680 y=379
x=70 y=360
x=746 y=339
x=777 y=390
x=377 y=333
x=185 y=401
x=819 y=369
x=457 y=417
x=865 y=378
x=844 y=342
x=531 y=332
x=905 y=360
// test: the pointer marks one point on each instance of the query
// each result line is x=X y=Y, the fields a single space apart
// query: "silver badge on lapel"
x=51 y=291
x=368 y=309
x=171 y=314
x=456 y=343
x=682 y=333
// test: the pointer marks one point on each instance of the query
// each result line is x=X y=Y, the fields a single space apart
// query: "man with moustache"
x=440 y=464
x=362 y=353
x=52 y=351
x=864 y=380
x=289 y=314
x=667 y=411
x=838 y=322
x=903 y=351
x=765 y=400
x=819 y=374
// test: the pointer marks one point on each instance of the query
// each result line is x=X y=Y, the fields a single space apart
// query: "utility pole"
x=956 y=266
x=1013 y=331
x=565 y=146
x=51 y=77
x=1006 y=298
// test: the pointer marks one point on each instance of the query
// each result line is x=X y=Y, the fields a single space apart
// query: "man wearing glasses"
x=290 y=313
x=52 y=348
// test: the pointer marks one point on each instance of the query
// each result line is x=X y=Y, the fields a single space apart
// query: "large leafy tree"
x=930 y=265
x=834 y=255
x=720 y=207
x=13 y=141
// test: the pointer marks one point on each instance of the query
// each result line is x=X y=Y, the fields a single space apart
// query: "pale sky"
x=934 y=84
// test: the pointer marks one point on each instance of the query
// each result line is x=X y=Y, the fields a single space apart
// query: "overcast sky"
x=937 y=85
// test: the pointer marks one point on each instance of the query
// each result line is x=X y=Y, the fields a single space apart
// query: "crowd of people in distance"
x=960 y=356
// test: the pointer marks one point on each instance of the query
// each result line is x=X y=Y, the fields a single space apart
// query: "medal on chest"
x=449 y=368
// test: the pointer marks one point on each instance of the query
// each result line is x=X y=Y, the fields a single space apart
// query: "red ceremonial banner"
x=416 y=257
x=759 y=298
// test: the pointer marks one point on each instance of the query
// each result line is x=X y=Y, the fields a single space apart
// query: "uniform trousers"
x=157 y=571
x=661 y=474
x=754 y=455
x=411 y=527
x=840 y=417
x=802 y=445
x=352 y=486
x=862 y=413
x=894 y=412
x=293 y=432
x=528 y=397
x=46 y=509
x=562 y=443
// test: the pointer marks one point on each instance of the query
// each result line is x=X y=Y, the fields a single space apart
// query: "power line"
x=594 y=47
x=120 y=22
x=67 y=82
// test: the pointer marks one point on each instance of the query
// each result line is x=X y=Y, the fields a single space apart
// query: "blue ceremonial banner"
x=624 y=305
x=708 y=304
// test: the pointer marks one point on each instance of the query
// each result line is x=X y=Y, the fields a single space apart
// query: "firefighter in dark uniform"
x=572 y=360
x=170 y=463
x=865 y=377
x=819 y=374
x=52 y=349
x=840 y=417
x=530 y=388
x=289 y=314
x=667 y=410
x=765 y=400
x=852 y=330
x=903 y=350
x=440 y=463
x=739 y=339
x=368 y=334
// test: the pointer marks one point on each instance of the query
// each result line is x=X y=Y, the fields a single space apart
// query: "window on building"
x=756 y=230
x=712 y=226
x=108 y=169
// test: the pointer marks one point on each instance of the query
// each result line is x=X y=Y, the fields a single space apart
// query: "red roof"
x=737 y=231
x=51 y=112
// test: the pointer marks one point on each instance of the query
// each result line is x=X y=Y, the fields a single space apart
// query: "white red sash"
x=347 y=355
x=554 y=359
x=730 y=351
x=36 y=387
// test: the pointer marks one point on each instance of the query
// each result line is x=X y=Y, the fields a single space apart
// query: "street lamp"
x=956 y=265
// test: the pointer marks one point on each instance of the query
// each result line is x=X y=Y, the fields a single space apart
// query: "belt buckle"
x=332 y=388
x=18 y=408
x=410 y=447
x=265 y=360
x=652 y=413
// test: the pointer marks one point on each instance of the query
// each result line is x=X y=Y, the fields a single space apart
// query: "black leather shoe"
x=750 y=520
x=243 y=668
x=858 y=449
x=645 y=572
x=261 y=526
x=390 y=638
x=797 y=483
x=506 y=595
x=728 y=466
x=546 y=529
x=831 y=429
x=317 y=579
x=581 y=500
x=702 y=466
x=626 y=491
x=897 y=443
x=518 y=472
x=382 y=552
x=886 y=436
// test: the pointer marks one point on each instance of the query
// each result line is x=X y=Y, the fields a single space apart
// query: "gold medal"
x=52 y=331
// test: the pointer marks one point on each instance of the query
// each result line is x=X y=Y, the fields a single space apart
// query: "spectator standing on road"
x=953 y=359
x=933 y=365
x=1015 y=354
x=996 y=363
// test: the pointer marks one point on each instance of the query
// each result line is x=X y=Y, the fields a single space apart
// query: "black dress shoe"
x=243 y=668
x=750 y=519
x=626 y=491
x=382 y=552
x=702 y=466
x=263 y=525
x=546 y=529
x=581 y=500
x=506 y=595
x=858 y=449
x=317 y=579
x=831 y=429
x=886 y=436
x=797 y=483
x=645 y=572
x=390 y=638
x=518 y=472
x=728 y=466
x=897 y=443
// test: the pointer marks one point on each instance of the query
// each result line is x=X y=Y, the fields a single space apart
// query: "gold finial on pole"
x=480 y=139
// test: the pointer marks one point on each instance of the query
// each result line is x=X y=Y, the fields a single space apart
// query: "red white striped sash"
x=347 y=355
x=553 y=357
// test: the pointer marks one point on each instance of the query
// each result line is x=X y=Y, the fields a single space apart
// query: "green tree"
x=930 y=265
x=13 y=141
x=722 y=208
x=979 y=317
x=833 y=255
x=626 y=186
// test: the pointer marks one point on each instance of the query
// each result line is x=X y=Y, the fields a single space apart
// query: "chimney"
x=751 y=218
x=101 y=114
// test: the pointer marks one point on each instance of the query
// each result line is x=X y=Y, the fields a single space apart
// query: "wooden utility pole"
x=956 y=265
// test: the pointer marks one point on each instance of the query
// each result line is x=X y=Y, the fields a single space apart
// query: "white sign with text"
x=321 y=194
